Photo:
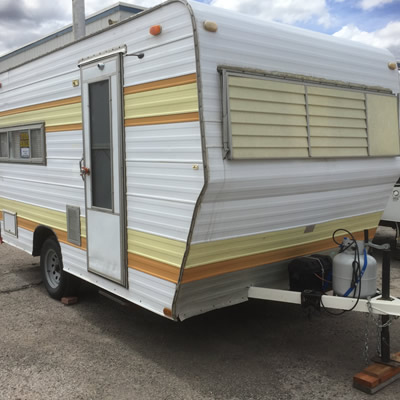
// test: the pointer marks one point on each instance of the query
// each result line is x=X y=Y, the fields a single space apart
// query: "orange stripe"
x=55 y=103
x=61 y=128
x=161 y=84
x=163 y=119
x=153 y=267
x=1 y=215
x=61 y=235
x=255 y=260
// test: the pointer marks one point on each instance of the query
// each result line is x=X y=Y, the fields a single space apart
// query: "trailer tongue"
x=383 y=306
x=376 y=305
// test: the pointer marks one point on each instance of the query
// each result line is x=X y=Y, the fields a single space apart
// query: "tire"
x=57 y=282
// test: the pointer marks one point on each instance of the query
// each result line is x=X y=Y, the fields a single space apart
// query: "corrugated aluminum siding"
x=162 y=185
x=248 y=197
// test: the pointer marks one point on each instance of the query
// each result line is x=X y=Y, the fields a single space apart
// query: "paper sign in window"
x=24 y=145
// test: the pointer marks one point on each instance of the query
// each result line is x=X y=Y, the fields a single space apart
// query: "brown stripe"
x=255 y=260
x=163 y=119
x=61 y=235
x=1 y=215
x=61 y=128
x=56 y=103
x=164 y=83
x=153 y=267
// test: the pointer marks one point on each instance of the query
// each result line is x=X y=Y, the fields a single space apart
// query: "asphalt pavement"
x=100 y=349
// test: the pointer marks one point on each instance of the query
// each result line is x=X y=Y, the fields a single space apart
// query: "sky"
x=374 y=22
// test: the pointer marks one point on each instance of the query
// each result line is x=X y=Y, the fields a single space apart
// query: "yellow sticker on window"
x=24 y=139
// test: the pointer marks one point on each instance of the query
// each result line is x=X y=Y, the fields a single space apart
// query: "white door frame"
x=105 y=225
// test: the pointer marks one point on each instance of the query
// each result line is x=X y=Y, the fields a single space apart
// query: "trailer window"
x=24 y=144
x=100 y=142
x=271 y=117
x=3 y=145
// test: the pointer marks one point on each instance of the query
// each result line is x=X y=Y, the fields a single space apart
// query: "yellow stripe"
x=53 y=116
x=242 y=263
x=212 y=252
x=40 y=215
x=164 y=250
x=40 y=106
x=163 y=83
x=167 y=101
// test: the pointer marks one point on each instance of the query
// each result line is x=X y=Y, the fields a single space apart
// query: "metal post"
x=78 y=19
x=385 y=334
x=386 y=275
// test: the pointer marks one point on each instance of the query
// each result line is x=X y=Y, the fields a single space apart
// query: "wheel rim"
x=52 y=269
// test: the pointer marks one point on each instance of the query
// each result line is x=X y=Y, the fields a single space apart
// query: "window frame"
x=226 y=72
x=28 y=127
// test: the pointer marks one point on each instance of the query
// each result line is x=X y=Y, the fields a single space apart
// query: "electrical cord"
x=357 y=272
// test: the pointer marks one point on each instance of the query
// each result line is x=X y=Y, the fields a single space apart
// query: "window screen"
x=100 y=143
x=22 y=144
x=3 y=145
x=37 y=143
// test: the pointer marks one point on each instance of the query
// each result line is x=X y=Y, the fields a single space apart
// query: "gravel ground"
x=99 y=349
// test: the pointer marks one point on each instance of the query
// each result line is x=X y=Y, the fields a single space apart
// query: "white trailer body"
x=208 y=163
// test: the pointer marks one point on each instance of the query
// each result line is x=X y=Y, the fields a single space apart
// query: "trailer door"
x=103 y=168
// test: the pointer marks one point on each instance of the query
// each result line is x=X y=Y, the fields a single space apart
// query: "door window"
x=100 y=142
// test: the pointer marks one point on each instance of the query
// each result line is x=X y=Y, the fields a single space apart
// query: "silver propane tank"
x=342 y=273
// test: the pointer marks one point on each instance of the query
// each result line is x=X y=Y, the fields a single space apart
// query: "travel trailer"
x=180 y=157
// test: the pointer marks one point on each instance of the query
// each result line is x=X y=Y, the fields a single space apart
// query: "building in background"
x=94 y=23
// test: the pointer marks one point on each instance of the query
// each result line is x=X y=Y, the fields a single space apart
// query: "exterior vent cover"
x=10 y=223
x=74 y=225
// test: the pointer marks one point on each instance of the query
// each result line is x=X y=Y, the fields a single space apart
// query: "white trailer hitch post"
x=383 y=305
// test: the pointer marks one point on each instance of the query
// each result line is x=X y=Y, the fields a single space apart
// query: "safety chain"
x=378 y=341
x=379 y=327
x=376 y=319
x=366 y=340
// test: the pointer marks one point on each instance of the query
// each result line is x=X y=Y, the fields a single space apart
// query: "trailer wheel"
x=57 y=282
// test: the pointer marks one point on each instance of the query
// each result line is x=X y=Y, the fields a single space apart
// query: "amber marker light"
x=155 y=30
x=167 y=312
x=210 y=26
x=392 y=65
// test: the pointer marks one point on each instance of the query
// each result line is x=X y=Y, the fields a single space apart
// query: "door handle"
x=83 y=170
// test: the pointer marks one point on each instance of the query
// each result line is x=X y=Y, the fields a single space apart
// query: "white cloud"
x=387 y=37
x=371 y=4
x=287 y=11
